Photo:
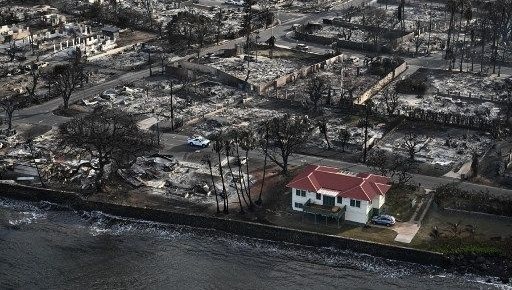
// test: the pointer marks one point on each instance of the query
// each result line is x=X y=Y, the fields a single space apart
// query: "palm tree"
x=227 y=148
x=435 y=233
x=455 y=229
x=265 y=151
x=208 y=161
x=236 y=138
x=452 y=7
x=247 y=143
x=322 y=127
x=218 y=147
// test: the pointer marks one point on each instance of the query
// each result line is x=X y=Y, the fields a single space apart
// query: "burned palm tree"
x=218 y=147
x=228 y=147
x=247 y=143
x=208 y=161
x=264 y=134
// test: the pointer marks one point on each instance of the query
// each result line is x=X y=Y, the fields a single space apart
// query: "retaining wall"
x=223 y=77
x=114 y=51
x=250 y=229
x=396 y=36
x=300 y=73
x=381 y=84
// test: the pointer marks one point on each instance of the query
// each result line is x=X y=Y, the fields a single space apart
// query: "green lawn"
x=399 y=202
x=491 y=234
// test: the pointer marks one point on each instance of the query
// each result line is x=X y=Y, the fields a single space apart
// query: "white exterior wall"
x=303 y=199
x=357 y=214
x=378 y=201
x=354 y=214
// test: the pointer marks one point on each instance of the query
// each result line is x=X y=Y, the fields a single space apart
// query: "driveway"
x=406 y=232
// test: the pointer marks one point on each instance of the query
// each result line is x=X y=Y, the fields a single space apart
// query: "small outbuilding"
x=110 y=31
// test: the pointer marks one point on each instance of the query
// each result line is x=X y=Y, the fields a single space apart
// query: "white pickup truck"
x=198 y=141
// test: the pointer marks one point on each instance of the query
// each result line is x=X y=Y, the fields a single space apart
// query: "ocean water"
x=43 y=245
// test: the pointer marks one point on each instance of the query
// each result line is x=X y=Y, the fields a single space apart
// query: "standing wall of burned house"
x=381 y=84
x=300 y=73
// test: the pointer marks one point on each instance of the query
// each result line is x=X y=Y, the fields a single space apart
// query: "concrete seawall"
x=249 y=229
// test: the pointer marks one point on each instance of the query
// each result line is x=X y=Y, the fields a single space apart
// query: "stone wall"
x=300 y=73
x=381 y=84
x=250 y=229
x=223 y=77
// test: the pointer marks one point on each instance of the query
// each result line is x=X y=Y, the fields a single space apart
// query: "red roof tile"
x=363 y=186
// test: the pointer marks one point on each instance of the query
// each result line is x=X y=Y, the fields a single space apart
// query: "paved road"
x=177 y=145
x=42 y=114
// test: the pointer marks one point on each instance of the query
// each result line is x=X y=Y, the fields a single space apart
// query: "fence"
x=250 y=229
x=381 y=84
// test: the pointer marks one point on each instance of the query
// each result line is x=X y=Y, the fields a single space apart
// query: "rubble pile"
x=352 y=74
x=450 y=147
x=356 y=35
x=458 y=93
x=234 y=117
x=262 y=69
x=126 y=60
x=470 y=85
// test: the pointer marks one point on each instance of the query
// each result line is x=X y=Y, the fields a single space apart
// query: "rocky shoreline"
x=481 y=265
x=496 y=266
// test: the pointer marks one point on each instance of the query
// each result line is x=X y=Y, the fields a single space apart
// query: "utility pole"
x=172 y=109
x=162 y=62
x=367 y=109
x=429 y=29
x=157 y=126
x=149 y=61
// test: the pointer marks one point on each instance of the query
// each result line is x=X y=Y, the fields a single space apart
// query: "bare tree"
x=35 y=74
x=506 y=105
x=65 y=78
x=344 y=137
x=107 y=137
x=418 y=41
x=218 y=25
x=414 y=144
x=394 y=166
x=379 y=162
x=13 y=50
x=322 y=126
x=10 y=104
x=286 y=135
x=148 y=8
x=391 y=100
x=317 y=88
x=474 y=163
x=451 y=6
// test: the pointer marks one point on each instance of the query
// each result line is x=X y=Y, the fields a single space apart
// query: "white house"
x=326 y=191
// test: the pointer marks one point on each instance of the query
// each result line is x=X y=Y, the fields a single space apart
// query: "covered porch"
x=325 y=210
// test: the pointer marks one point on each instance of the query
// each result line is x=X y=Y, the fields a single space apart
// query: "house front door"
x=329 y=200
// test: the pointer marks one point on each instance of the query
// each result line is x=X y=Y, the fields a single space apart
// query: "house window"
x=339 y=199
x=355 y=203
x=299 y=192
x=318 y=196
x=299 y=205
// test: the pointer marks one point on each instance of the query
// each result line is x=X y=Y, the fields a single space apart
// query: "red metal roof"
x=362 y=186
